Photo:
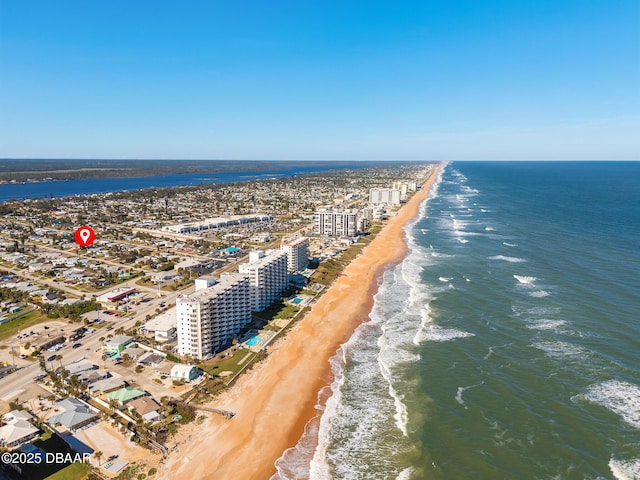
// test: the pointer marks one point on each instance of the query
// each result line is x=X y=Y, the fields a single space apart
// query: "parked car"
x=76 y=345
x=51 y=358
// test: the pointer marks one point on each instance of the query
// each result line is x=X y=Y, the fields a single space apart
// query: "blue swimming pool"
x=253 y=341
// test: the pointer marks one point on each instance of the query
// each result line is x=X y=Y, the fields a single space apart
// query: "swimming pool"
x=253 y=341
x=296 y=300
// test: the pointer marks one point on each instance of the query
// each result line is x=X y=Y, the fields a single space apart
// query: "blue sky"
x=352 y=80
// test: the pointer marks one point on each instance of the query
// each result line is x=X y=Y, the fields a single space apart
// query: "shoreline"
x=275 y=402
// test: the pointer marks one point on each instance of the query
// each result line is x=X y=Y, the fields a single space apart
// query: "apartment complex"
x=390 y=196
x=297 y=253
x=214 y=314
x=405 y=187
x=268 y=276
x=335 y=223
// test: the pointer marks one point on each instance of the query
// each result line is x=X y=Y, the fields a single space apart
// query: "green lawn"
x=277 y=311
x=10 y=329
x=228 y=364
x=75 y=471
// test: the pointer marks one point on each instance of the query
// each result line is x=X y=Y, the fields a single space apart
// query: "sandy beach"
x=275 y=400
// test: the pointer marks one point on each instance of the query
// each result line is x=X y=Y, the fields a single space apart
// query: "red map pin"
x=85 y=236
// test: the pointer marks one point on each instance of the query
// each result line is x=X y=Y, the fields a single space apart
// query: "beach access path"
x=276 y=399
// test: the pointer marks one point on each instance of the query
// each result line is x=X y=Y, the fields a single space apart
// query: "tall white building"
x=297 y=253
x=268 y=276
x=389 y=196
x=335 y=223
x=211 y=316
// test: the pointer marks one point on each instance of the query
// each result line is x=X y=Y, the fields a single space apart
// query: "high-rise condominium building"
x=213 y=315
x=389 y=196
x=297 y=253
x=268 y=276
x=335 y=223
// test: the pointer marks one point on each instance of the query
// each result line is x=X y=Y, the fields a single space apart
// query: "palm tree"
x=98 y=454
x=59 y=358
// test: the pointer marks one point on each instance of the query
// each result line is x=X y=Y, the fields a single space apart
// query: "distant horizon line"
x=2 y=159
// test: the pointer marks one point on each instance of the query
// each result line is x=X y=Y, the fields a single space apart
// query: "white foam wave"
x=489 y=229
x=319 y=466
x=461 y=391
x=468 y=190
x=434 y=333
x=405 y=474
x=620 y=397
x=525 y=280
x=559 y=349
x=484 y=210
x=458 y=174
x=489 y=353
x=547 y=324
x=294 y=462
x=444 y=279
x=539 y=294
x=537 y=311
x=625 y=469
x=401 y=415
x=463 y=240
x=506 y=244
x=508 y=259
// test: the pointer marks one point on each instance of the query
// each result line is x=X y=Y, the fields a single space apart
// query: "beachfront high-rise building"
x=212 y=316
x=268 y=277
x=389 y=196
x=335 y=223
x=406 y=186
x=297 y=253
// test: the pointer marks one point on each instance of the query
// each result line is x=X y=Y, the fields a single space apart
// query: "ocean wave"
x=458 y=174
x=319 y=466
x=559 y=349
x=294 y=463
x=444 y=279
x=548 y=324
x=434 y=333
x=468 y=190
x=406 y=473
x=625 y=469
x=506 y=244
x=387 y=358
x=489 y=229
x=508 y=259
x=461 y=391
x=525 y=280
x=537 y=311
x=539 y=294
x=620 y=397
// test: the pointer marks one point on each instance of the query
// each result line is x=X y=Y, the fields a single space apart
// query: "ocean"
x=506 y=345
